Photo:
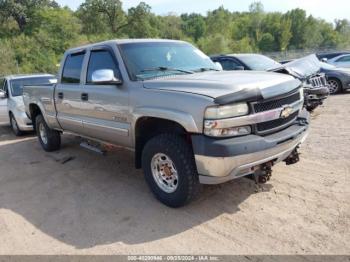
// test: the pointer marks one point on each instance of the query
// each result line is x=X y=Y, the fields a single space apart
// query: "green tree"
x=219 y=21
x=193 y=25
x=267 y=42
x=256 y=10
x=141 y=23
x=22 y=11
x=8 y=59
x=299 y=22
x=170 y=27
x=103 y=11
x=214 y=44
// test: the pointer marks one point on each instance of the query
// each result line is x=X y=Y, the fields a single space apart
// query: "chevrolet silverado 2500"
x=188 y=122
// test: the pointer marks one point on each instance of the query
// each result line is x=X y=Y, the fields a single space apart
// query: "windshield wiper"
x=204 y=69
x=164 y=69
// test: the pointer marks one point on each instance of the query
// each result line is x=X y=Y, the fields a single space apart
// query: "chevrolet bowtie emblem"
x=286 y=111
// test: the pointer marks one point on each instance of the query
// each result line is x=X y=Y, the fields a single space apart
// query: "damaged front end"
x=307 y=70
x=316 y=91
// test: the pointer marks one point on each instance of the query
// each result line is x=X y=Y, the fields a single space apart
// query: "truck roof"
x=121 y=41
x=22 y=76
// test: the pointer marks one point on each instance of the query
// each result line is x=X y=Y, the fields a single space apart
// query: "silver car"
x=12 y=111
x=339 y=61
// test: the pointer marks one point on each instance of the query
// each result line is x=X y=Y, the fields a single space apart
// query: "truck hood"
x=304 y=67
x=228 y=83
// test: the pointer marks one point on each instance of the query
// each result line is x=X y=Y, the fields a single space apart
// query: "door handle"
x=60 y=95
x=85 y=96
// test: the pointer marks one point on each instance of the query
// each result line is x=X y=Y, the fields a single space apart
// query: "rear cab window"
x=72 y=68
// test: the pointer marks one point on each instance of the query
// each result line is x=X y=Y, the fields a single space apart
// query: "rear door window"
x=72 y=68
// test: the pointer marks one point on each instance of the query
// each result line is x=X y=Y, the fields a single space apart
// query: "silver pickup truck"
x=188 y=122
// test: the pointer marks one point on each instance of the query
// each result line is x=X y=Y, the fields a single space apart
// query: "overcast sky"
x=329 y=10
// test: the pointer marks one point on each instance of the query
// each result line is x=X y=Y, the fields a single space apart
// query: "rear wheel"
x=14 y=126
x=334 y=86
x=170 y=170
x=49 y=139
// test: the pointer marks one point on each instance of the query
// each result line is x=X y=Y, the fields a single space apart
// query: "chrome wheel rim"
x=333 y=86
x=14 y=124
x=42 y=133
x=164 y=173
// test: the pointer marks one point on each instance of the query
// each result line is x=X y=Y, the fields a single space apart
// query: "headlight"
x=214 y=114
x=228 y=132
x=227 y=111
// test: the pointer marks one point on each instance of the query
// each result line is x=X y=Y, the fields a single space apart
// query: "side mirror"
x=2 y=95
x=324 y=60
x=238 y=68
x=105 y=76
x=218 y=66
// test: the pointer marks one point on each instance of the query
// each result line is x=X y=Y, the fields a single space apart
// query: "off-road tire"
x=53 y=142
x=14 y=126
x=182 y=156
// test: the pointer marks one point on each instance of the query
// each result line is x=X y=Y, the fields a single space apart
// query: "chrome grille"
x=273 y=104
x=269 y=127
x=278 y=123
x=318 y=81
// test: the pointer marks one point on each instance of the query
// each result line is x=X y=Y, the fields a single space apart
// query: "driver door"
x=4 y=116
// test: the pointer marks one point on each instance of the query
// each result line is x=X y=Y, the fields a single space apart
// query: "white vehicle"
x=340 y=61
x=12 y=111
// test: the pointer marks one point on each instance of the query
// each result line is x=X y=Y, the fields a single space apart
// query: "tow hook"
x=293 y=157
x=264 y=174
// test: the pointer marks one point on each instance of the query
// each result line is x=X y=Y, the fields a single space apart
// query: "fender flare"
x=182 y=118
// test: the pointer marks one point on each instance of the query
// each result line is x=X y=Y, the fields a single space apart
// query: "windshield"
x=259 y=62
x=156 y=59
x=17 y=84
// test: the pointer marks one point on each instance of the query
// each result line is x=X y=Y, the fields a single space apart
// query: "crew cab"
x=187 y=122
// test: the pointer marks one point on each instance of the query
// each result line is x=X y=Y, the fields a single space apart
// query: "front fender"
x=182 y=118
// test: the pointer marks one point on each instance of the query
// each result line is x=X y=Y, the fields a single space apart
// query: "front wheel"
x=170 y=170
x=14 y=126
x=334 y=86
x=49 y=139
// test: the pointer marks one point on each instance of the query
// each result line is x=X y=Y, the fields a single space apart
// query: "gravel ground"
x=101 y=205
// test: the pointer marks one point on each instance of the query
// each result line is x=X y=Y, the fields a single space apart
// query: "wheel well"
x=34 y=111
x=148 y=127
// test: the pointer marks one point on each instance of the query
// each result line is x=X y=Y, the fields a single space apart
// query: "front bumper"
x=23 y=122
x=318 y=93
x=221 y=160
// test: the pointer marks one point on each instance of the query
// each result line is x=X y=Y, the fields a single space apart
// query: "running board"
x=93 y=147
